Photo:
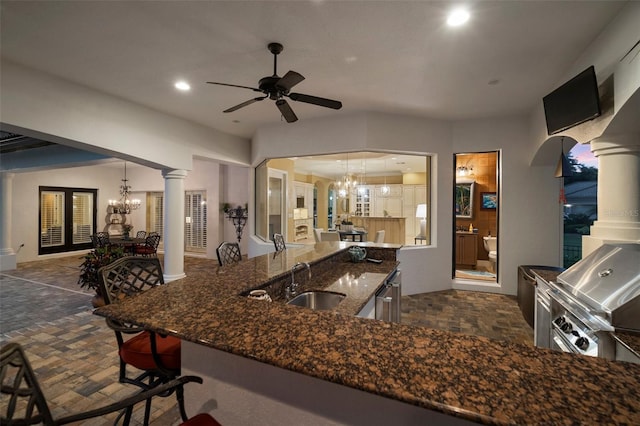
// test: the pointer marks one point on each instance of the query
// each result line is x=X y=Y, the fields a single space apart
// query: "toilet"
x=491 y=245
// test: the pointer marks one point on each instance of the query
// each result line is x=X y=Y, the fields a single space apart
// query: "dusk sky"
x=582 y=153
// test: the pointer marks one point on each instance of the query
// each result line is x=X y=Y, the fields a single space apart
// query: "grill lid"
x=608 y=281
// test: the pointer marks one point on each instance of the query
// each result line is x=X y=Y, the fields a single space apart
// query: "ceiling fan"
x=277 y=88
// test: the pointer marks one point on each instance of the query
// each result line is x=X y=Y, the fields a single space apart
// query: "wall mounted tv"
x=573 y=103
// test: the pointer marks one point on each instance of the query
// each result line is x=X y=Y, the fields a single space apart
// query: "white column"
x=7 y=255
x=618 y=192
x=173 y=224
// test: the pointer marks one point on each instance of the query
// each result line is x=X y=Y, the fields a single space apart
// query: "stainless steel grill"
x=594 y=298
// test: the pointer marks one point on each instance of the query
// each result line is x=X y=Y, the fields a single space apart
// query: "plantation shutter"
x=195 y=226
x=51 y=218
x=82 y=217
x=156 y=214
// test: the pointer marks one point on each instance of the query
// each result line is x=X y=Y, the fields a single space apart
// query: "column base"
x=168 y=277
x=8 y=262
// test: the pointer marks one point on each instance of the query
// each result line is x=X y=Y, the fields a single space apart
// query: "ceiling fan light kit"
x=277 y=88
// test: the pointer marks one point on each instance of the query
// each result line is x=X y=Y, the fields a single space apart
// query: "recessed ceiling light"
x=182 y=86
x=457 y=17
x=350 y=59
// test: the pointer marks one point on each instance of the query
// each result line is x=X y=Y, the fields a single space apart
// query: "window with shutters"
x=155 y=201
x=195 y=224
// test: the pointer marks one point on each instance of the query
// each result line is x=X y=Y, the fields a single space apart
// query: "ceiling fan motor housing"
x=268 y=86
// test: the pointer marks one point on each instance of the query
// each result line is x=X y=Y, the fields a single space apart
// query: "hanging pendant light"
x=346 y=183
x=385 y=188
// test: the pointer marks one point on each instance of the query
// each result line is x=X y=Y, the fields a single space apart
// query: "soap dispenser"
x=471 y=227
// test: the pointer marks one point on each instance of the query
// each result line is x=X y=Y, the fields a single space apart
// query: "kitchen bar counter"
x=469 y=377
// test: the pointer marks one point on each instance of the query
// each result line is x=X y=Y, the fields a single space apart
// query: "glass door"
x=276 y=202
x=67 y=219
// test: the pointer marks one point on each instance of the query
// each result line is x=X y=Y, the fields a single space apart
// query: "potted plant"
x=93 y=261
x=347 y=226
x=126 y=230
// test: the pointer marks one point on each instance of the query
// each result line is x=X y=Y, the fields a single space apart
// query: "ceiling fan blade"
x=244 y=104
x=286 y=111
x=255 y=89
x=289 y=80
x=329 y=103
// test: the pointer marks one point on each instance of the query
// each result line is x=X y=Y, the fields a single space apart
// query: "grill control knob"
x=582 y=343
x=566 y=327
x=559 y=321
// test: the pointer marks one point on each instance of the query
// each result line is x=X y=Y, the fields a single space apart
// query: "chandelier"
x=125 y=204
x=347 y=183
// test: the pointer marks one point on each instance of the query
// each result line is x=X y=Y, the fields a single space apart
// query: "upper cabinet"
x=303 y=195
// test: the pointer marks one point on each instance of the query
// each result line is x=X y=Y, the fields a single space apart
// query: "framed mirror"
x=464 y=199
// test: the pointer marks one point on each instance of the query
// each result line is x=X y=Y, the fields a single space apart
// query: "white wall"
x=106 y=179
x=529 y=211
x=529 y=221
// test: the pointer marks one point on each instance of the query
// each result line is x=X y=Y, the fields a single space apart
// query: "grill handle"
x=592 y=321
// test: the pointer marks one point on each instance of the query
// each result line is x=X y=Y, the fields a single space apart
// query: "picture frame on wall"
x=464 y=200
x=488 y=200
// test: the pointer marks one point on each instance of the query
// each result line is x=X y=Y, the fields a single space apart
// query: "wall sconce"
x=421 y=212
x=238 y=217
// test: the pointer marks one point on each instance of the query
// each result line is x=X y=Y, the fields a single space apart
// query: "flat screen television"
x=573 y=103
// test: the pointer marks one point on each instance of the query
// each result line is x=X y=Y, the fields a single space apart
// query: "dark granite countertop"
x=476 y=378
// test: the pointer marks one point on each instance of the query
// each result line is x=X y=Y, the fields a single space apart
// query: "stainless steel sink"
x=318 y=300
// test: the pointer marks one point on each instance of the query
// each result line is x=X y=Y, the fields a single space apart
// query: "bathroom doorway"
x=475 y=211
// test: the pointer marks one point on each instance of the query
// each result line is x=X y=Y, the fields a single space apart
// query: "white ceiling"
x=390 y=56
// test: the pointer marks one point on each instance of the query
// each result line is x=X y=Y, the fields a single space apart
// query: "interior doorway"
x=475 y=209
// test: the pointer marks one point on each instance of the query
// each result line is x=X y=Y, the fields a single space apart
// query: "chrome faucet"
x=292 y=289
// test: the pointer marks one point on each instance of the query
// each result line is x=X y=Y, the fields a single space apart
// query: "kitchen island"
x=278 y=354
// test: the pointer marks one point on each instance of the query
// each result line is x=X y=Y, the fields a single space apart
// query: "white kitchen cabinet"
x=303 y=195
x=362 y=201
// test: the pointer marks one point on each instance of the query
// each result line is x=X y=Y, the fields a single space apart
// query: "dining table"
x=355 y=236
x=128 y=244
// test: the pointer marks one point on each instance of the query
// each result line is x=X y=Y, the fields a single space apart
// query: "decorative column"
x=7 y=255
x=618 y=192
x=173 y=224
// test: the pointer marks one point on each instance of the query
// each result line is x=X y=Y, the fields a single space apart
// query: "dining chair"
x=100 y=239
x=150 y=246
x=380 y=236
x=278 y=242
x=141 y=234
x=26 y=403
x=329 y=236
x=228 y=253
x=156 y=357
x=316 y=234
